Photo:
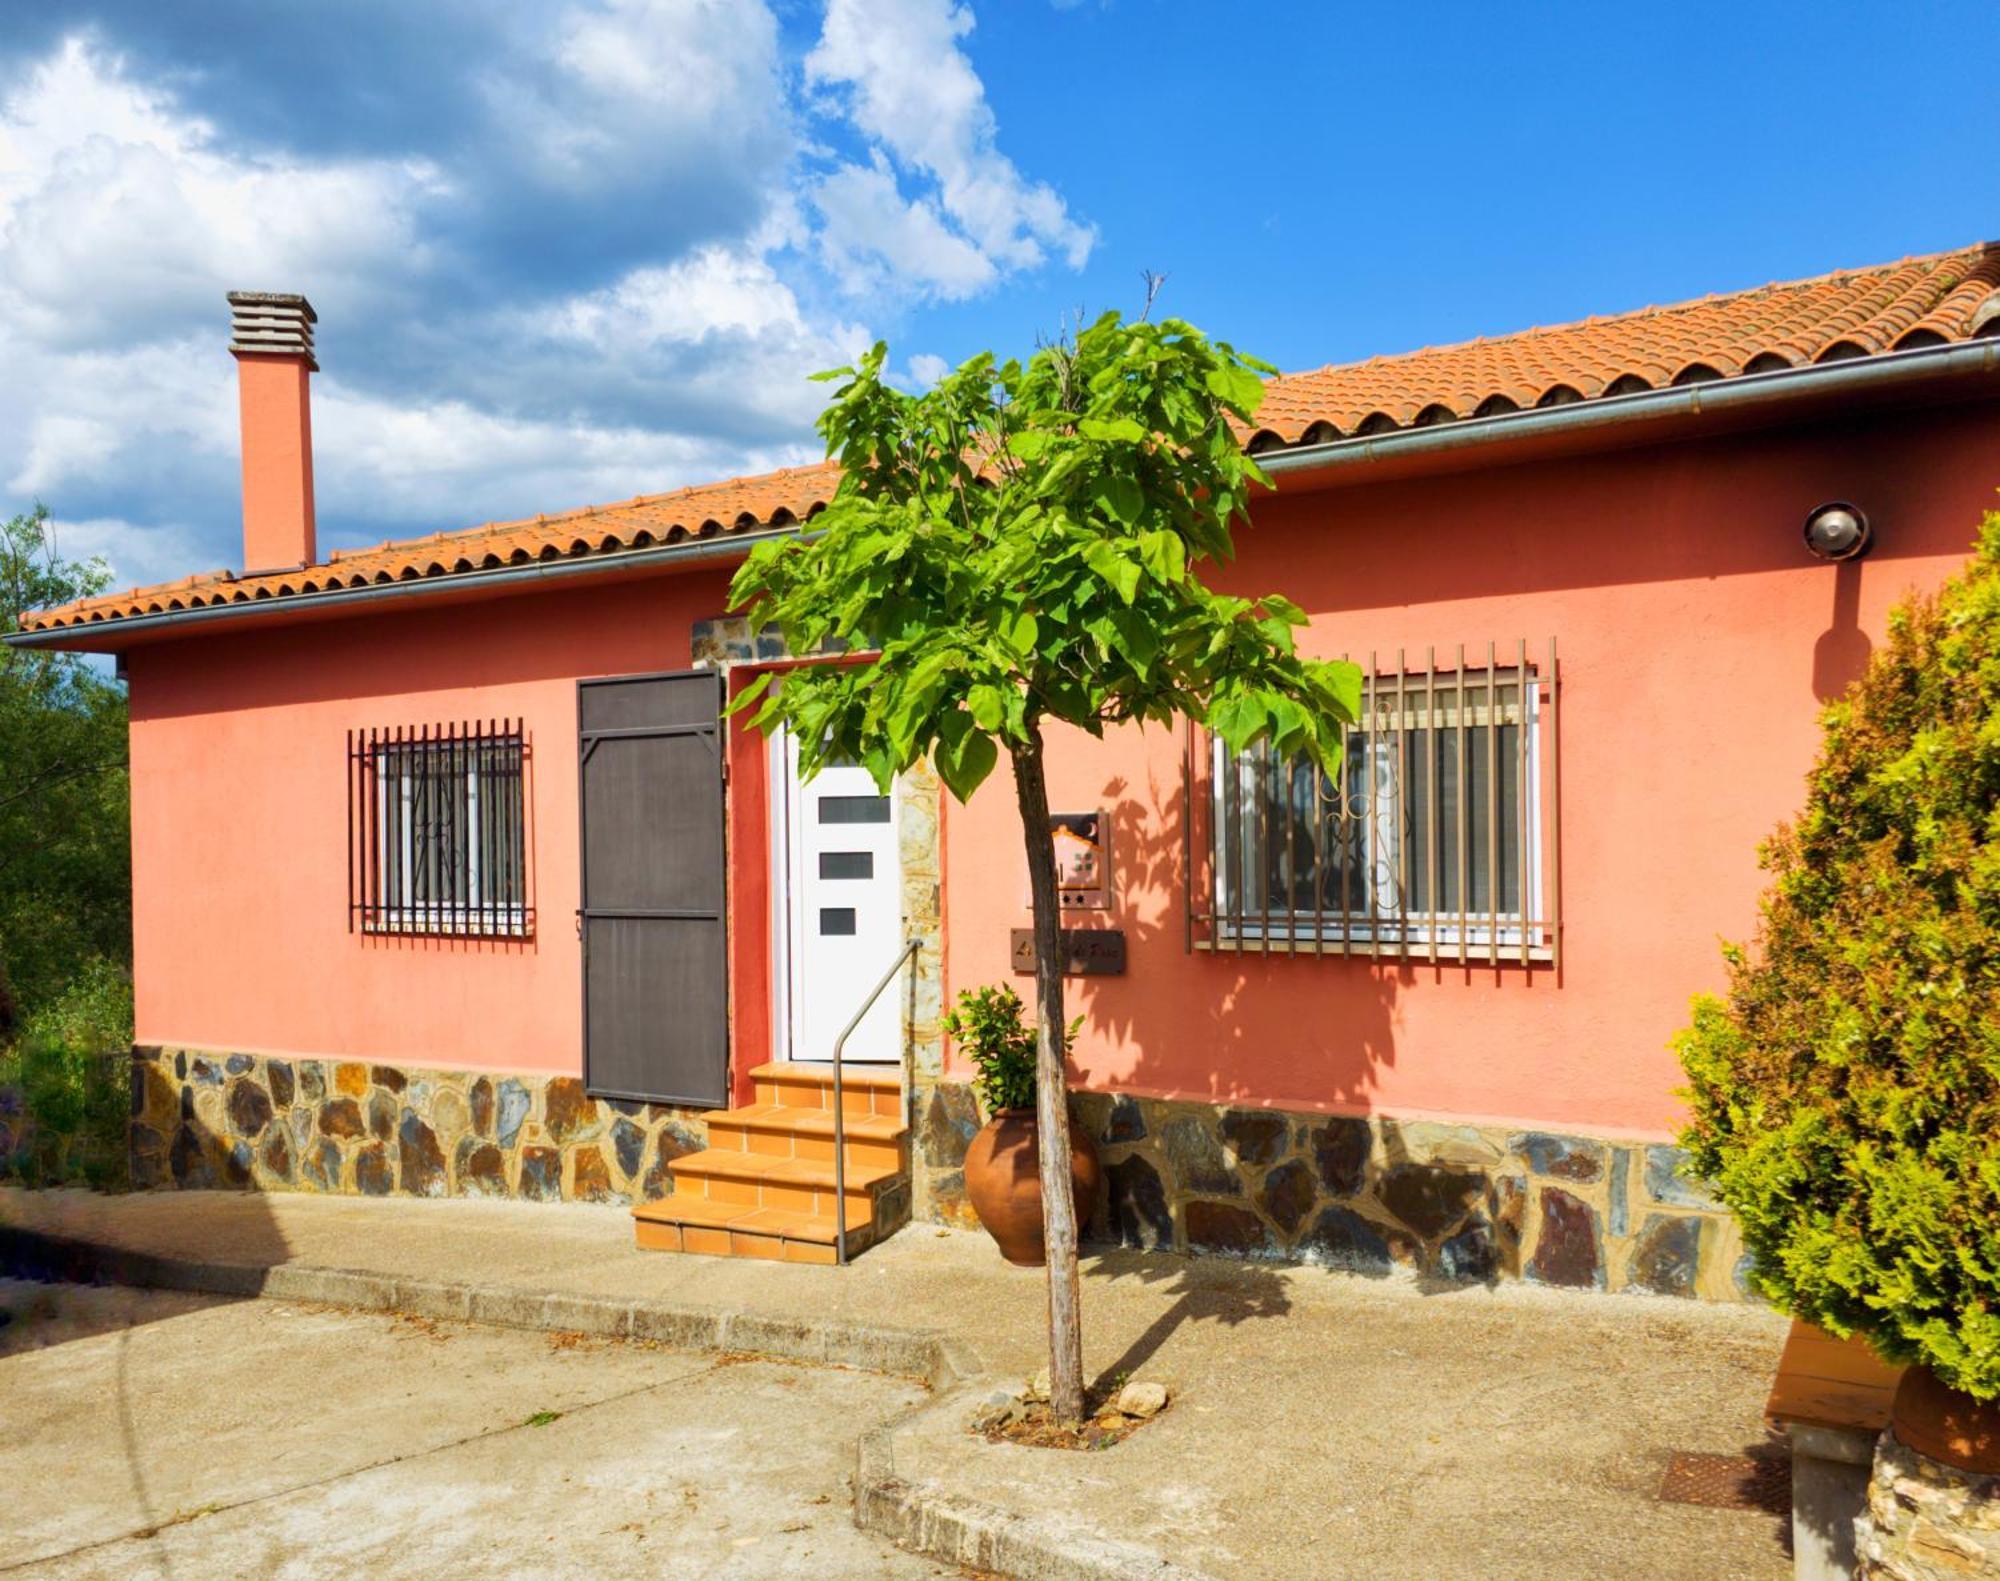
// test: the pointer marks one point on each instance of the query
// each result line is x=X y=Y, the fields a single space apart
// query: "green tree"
x=65 y=862
x=1021 y=545
x=1846 y=1094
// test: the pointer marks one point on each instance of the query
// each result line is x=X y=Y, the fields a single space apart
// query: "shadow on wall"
x=1843 y=649
x=1214 y=1172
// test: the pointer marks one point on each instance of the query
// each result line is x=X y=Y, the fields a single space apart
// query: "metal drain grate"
x=1762 y=1483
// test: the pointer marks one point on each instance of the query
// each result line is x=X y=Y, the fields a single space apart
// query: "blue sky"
x=573 y=250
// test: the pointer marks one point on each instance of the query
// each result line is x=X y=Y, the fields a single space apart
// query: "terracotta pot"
x=1003 y=1179
x=1944 y=1423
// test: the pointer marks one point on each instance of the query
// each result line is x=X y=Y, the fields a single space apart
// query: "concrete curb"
x=922 y=1517
x=926 y=1518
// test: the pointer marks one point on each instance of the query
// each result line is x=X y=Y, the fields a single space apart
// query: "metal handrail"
x=910 y=948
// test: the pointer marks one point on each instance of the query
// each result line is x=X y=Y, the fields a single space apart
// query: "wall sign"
x=1087 y=952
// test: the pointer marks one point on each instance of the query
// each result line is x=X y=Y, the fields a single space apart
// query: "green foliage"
x=69 y=1066
x=1846 y=1097
x=1022 y=543
x=65 y=866
x=992 y=1030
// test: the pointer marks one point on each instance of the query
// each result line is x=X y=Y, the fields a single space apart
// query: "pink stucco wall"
x=1697 y=640
x=239 y=819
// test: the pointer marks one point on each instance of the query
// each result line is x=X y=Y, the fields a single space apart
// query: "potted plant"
x=1002 y=1168
x=1846 y=1095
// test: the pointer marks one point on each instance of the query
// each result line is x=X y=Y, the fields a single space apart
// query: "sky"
x=568 y=251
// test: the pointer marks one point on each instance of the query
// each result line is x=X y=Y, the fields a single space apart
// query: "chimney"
x=271 y=337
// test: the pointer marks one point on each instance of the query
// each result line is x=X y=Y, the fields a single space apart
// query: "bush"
x=70 y=1066
x=990 y=1024
x=1846 y=1096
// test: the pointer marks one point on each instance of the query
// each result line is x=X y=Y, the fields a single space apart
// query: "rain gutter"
x=1751 y=393
x=673 y=556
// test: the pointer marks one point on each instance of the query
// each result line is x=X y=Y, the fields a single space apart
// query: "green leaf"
x=1164 y=555
x=1119 y=497
x=964 y=767
x=1111 y=429
x=988 y=706
x=1019 y=632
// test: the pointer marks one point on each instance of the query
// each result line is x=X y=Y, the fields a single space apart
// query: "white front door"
x=839 y=911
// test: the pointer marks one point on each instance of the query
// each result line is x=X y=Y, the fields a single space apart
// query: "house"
x=450 y=878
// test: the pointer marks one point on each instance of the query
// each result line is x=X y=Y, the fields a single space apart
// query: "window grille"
x=1438 y=842
x=437 y=830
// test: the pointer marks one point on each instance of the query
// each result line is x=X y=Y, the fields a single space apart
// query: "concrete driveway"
x=145 y=1434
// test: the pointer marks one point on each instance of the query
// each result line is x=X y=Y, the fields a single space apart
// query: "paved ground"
x=155 y=1435
x=1327 y=1426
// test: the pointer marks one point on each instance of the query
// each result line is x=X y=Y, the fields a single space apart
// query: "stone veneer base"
x=1452 y=1203
x=201 y=1118
x=1927 y=1521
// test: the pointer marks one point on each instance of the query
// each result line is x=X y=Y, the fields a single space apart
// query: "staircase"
x=764 y=1186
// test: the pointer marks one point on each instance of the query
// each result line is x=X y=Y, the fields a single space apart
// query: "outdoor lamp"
x=1838 y=531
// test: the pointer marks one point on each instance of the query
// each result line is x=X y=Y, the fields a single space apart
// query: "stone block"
x=1430 y=1199
x=374 y=1174
x=1223 y=1227
x=1137 y=1205
x=1564 y=1157
x=1195 y=1159
x=1287 y=1196
x=421 y=1158
x=249 y=1107
x=1341 y=1238
x=1666 y=1256
x=1665 y=1184
x=1340 y=1150
x=1568 y=1248
x=1255 y=1137
x=282 y=1084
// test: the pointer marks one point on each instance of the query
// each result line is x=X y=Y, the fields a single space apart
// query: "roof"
x=1856 y=313
x=1927 y=301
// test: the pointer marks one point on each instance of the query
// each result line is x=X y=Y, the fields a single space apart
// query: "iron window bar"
x=1438 y=840
x=910 y=948
x=437 y=819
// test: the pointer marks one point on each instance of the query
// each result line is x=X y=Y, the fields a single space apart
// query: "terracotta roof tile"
x=1893 y=307
x=1919 y=301
x=774 y=499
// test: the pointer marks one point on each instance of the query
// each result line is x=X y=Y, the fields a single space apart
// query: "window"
x=437 y=818
x=1437 y=842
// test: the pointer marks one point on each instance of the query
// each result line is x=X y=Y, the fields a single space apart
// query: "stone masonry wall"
x=207 y=1119
x=1926 y=1521
x=1446 y=1202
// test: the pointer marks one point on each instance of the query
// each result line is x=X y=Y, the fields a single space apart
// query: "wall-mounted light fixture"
x=1838 y=531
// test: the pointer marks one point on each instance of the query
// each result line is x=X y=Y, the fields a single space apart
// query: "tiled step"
x=688 y=1223
x=765 y=1185
x=799 y=1185
x=872 y=1140
x=864 y=1089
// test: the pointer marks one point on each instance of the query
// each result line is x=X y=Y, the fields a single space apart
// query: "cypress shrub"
x=1846 y=1093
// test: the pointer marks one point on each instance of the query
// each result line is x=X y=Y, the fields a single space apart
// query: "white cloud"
x=119 y=218
x=630 y=86
x=912 y=91
x=926 y=369
x=871 y=236
x=125 y=215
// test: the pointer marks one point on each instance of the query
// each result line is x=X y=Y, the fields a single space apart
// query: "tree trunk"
x=1051 y=1088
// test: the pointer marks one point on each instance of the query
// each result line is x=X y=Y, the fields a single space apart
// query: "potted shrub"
x=1846 y=1094
x=1002 y=1165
